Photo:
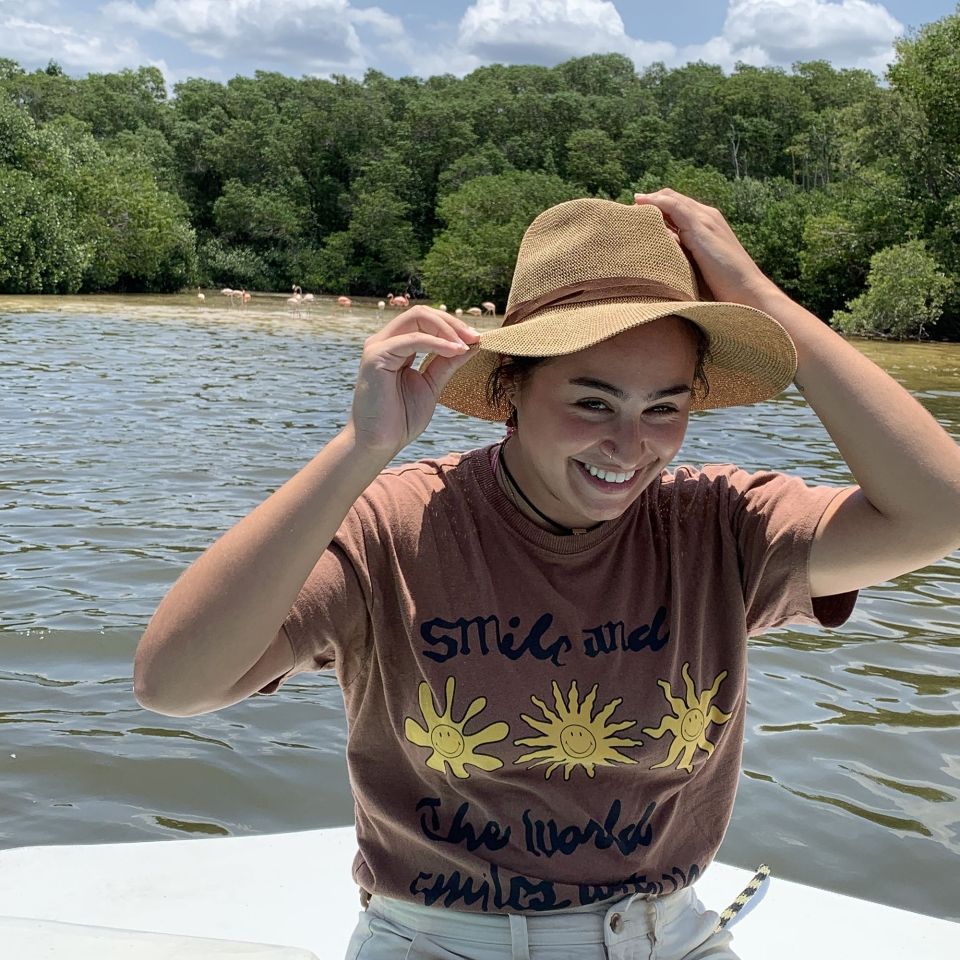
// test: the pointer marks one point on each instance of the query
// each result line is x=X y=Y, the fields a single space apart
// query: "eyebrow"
x=620 y=395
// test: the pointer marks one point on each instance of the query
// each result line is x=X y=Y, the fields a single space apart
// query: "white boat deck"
x=234 y=897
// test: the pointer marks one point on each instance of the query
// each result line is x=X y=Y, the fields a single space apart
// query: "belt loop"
x=656 y=919
x=518 y=937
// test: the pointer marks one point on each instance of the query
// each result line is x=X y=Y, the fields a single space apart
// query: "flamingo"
x=474 y=311
x=226 y=291
x=459 y=311
x=380 y=306
x=489 y=308
x=200 y=295
x=308 y=298
x=236 y=295
x=344 y=302
x=442 y=307
x=245 y=297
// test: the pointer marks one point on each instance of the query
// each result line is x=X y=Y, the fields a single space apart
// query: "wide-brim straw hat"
x=590 y=269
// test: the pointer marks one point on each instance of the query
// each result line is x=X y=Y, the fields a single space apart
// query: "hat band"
x=602 y=288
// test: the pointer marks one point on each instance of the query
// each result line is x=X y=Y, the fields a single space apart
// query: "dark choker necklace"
x=564 y=531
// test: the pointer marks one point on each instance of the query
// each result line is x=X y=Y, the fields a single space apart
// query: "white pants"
x=671 y=927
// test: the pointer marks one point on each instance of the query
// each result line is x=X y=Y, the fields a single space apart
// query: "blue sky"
x=221 y=38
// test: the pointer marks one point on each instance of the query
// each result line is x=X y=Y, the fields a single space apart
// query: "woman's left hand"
x=726 y=267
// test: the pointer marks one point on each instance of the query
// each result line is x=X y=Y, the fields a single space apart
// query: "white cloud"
x=34 y=43
x=294 y=36
x=221 y=37
x=549 y=31
x=854 y=33
x=847 y=33
x=27 y=9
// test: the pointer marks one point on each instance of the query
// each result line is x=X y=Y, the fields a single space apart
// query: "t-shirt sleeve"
x=774 y=518
x=329 y=625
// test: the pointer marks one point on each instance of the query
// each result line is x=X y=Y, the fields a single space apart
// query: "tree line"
x=845 y=190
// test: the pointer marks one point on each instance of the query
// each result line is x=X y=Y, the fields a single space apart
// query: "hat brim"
x=751 y=356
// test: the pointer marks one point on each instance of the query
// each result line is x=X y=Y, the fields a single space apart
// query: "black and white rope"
x=759 y=878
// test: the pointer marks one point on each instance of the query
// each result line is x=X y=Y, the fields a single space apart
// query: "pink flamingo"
x=489 y=308
x=344 y=302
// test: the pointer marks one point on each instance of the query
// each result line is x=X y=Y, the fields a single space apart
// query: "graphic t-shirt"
x=538 y=722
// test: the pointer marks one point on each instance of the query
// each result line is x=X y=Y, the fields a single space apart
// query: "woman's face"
x=620 y=407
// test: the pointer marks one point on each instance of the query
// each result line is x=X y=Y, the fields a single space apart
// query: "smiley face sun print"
x=446 y=736
x=571 y=737
x=689 y=722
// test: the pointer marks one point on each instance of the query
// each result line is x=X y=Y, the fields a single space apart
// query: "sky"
x=219 y=39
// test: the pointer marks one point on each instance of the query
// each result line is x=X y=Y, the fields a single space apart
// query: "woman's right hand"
x=393 y=402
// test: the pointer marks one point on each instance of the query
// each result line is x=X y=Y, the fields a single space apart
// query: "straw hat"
x=590 y=269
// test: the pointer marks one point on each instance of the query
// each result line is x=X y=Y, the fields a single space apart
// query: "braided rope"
x=743 y=898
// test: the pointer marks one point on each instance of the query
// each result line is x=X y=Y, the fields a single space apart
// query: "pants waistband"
x=595 y=923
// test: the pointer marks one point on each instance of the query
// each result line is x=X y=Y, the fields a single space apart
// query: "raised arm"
x=216 y=638
x=905 y=511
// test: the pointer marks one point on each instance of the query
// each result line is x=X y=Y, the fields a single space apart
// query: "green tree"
x=485 y=161
x=593 y=163
x=233 y=266
x=926 y=73
x=379 y=249
x=769 y=217
x=859 y=217
x=138 y=236
x=472 y=259
x=40 y=249
x=906 y=291
x=643 y=147
x=761 y=108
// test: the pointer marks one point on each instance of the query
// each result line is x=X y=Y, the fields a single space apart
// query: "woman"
x=542 y=645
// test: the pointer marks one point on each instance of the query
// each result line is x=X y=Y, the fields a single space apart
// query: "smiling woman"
x=577 y=795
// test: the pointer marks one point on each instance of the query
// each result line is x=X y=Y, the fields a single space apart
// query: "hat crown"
x=592 y=239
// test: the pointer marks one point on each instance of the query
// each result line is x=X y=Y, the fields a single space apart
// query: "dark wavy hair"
x=518 y=369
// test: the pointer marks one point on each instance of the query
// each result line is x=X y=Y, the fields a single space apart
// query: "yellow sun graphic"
x=689 y=724
x=447 y=737
x=571 y=737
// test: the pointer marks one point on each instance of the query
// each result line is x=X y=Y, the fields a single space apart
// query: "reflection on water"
x=137 y=429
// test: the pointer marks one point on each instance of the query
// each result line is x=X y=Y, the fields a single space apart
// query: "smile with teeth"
x=610 y=476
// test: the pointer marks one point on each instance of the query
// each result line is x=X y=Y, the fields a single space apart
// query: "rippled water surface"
x=135 y=430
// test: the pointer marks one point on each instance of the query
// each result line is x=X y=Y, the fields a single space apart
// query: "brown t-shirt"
x=538 y=722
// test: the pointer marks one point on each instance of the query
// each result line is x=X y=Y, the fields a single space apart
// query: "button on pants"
x=671 y=927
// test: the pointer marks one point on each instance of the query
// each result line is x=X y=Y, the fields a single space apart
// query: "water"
x=135 y=430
